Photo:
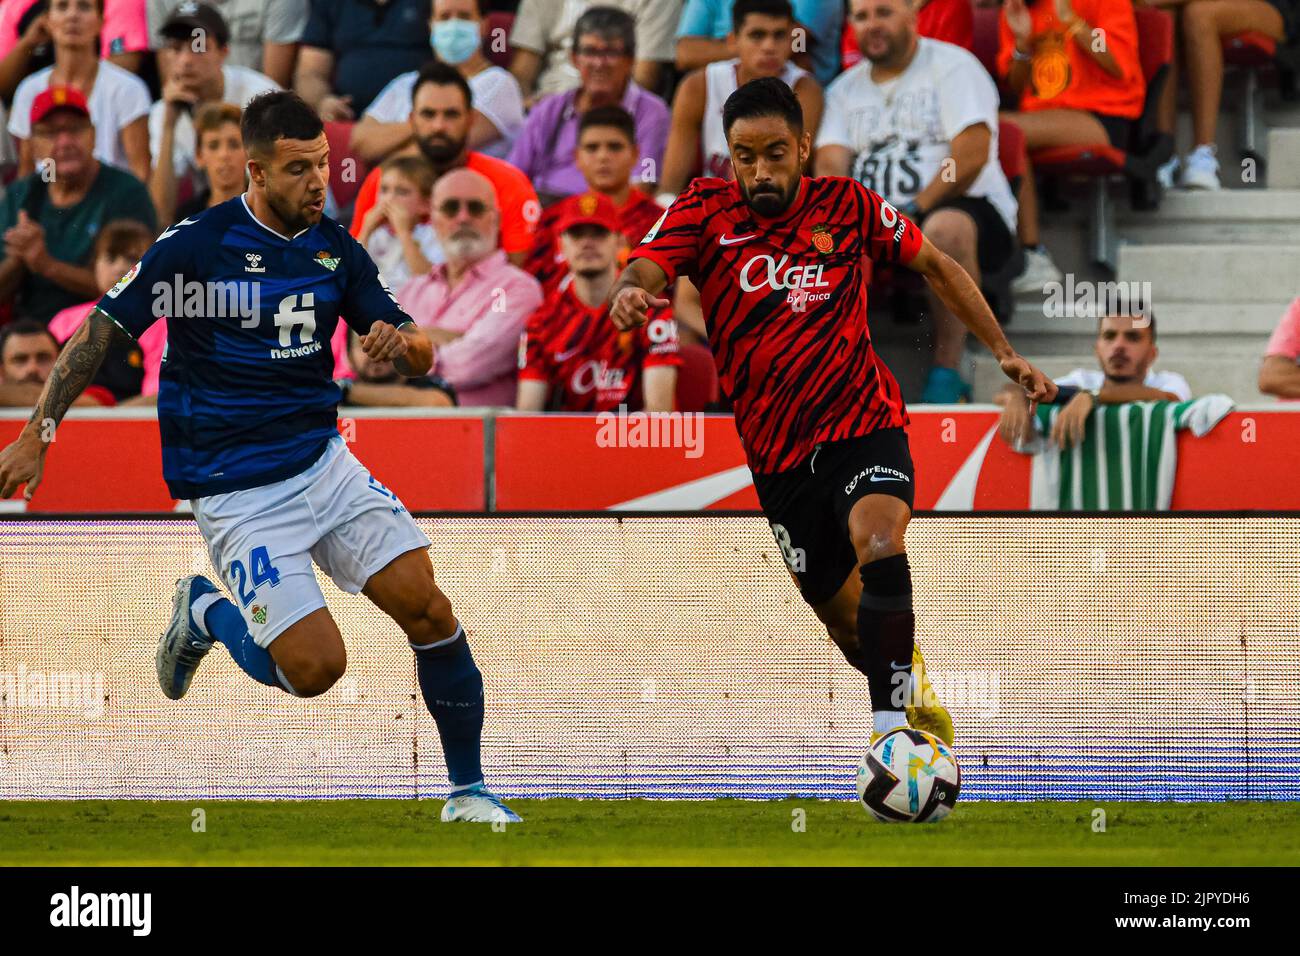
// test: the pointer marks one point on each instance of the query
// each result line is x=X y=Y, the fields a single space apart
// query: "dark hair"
x=441 y=74
x=123 y=238
x=766 y=8
x=1140 y=310
x=769 y=96
x=608 y=23
x=277 y=114
x=612 y=115
x=24 y=327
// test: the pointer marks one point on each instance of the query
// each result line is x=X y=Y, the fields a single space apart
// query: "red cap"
x=588 y=209
x=58 y=98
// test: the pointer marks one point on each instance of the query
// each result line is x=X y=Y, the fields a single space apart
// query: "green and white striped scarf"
x=1127 y=459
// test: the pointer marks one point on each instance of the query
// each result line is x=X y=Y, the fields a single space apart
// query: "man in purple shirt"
x=474 y=306
x=604 y=49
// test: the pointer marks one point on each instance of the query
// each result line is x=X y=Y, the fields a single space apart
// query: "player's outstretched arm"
x=23 y=460
x=958 y=291
x=635 y=294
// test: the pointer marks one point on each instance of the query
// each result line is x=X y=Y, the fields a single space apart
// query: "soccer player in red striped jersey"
x=572 y=359
x=778 y=259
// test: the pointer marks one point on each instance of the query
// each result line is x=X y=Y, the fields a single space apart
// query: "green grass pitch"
x=643 y=832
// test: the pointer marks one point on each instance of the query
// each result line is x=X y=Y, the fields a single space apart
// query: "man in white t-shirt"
x=264 y=34
x=456 y=31
x=1126 y=353
x=917 y=121
x=193 y=71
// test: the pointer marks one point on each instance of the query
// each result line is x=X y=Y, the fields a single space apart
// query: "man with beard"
x=27 y=354
x=441 y=116
x=778 y=259
x=572 y=358
x=248 y=418
x=472 y=307
x=1126 y=353
x=917 y=122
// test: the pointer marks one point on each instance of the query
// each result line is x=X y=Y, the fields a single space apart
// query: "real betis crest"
x=324 y=258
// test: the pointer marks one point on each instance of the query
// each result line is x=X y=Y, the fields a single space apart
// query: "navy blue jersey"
x=246 y=394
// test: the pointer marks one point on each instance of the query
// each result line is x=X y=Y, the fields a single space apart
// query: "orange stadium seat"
x=344 y=188
x=1147 y=148
x=697 y=379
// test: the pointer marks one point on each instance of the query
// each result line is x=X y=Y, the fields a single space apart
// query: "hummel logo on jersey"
x=176 y=228
x=734 y=240
x=253 y=262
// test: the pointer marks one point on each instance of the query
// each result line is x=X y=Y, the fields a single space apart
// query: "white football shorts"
x=263 y=541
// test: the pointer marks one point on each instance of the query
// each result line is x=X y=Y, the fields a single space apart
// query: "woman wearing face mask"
x=456 y=33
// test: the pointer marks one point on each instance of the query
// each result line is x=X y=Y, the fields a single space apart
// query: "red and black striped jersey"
x=590 y=365
x=545 y=261
x=785 y=302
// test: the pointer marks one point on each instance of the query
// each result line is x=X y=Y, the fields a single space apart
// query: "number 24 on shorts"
x=261 y=570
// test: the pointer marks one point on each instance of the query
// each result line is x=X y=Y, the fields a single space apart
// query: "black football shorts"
x=808 y=506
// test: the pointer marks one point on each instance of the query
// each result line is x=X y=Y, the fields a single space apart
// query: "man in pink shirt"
x=1280 y=373
x=474 y=306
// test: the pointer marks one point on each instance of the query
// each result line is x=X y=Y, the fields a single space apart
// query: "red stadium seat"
x=496 y=45
x=1138 y=161
x=697 y=379
x=1011 y=150
x=986 y=38
x=344 y=187
x=1251 y=53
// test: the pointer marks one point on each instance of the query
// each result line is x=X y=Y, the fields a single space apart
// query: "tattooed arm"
x=24 y=459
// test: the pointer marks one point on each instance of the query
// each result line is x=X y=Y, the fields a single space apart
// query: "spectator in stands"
x=27 y=354
x=456 y=34
x=760 y=35
x=1280 y=373
x=917 y=122
x=1200 y=27
x=951 y=21
x=607 y=157
x=1073 y=91
x=542 y=38
x=702 y=35
x=1126 y=353
x=219 y=155
x=118 y=99
x=130 y=369
x=573 y=359
x=474 y=306
x=352 y=49
x=264 y=34
x=440 y=123
x=193 y=70
x=25 y=41
x=49 y=227
x=396 y=231
x=377 y=383
x=604 y=45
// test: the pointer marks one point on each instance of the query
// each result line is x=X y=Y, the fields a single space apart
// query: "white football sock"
x=886 y=720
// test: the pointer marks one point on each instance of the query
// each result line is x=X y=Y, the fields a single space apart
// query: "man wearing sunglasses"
x=473 y=306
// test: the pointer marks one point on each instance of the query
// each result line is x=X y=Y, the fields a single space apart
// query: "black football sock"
x=886 y=631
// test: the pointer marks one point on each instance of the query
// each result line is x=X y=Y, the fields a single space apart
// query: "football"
x=909 y=776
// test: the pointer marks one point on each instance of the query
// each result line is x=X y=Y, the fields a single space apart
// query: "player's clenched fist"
x=631 y=307
x=383 y=342
x=1038 y=387
x=21 y=463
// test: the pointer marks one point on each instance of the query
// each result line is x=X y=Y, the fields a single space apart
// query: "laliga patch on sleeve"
x=654 y=230
x=123 y=282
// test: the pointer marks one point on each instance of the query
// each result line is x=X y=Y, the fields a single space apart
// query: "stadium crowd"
x=498 y=160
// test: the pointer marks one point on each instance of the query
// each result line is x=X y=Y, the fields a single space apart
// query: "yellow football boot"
x=930 y=715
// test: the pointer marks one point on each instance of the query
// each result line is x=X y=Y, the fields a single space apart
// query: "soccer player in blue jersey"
x=252 y=290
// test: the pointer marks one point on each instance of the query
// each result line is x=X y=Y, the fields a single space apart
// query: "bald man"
x=473 y=306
